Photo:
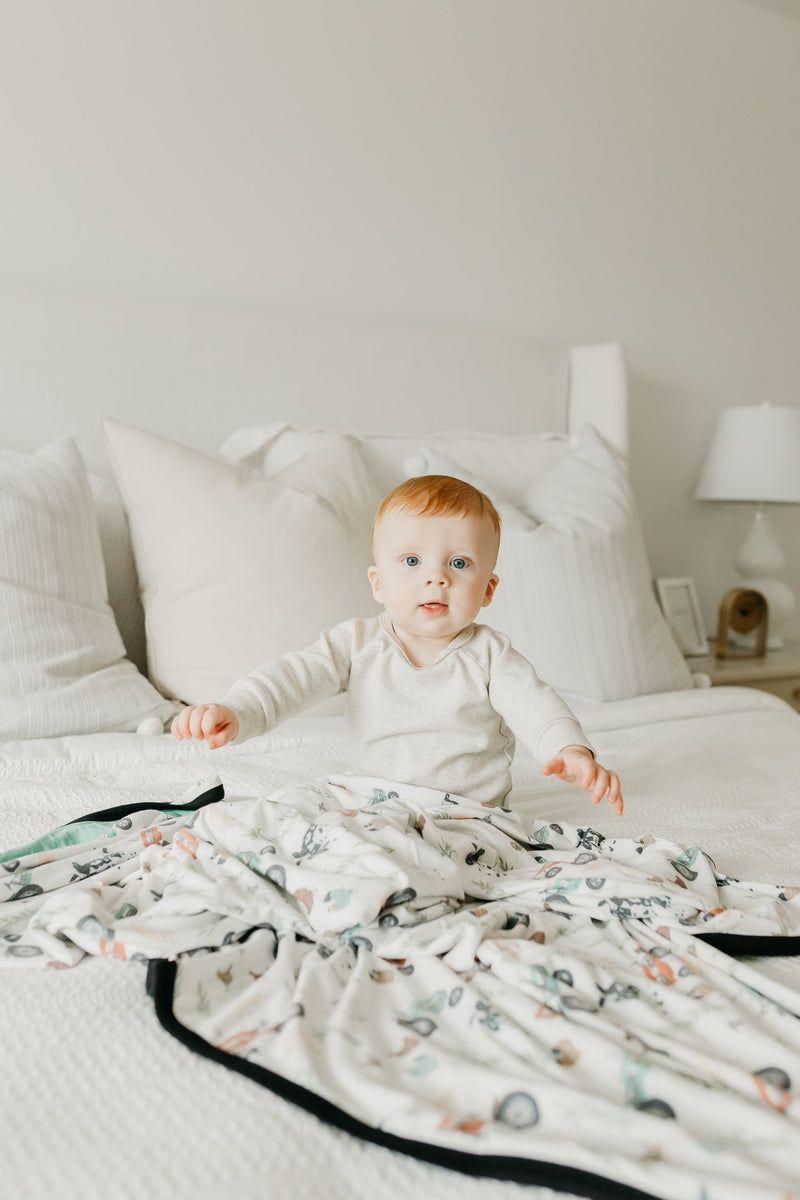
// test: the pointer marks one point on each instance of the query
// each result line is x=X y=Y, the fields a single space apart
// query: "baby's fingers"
x=219 y=726
x=599 y=785
x=180 y=725
x=197 y=721
x=212 y=723
x=554 y=766
x=607 y=782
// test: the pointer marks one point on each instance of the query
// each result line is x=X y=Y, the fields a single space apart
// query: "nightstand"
x=777 y=672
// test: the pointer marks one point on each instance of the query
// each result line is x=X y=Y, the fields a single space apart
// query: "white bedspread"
x=85 y=1062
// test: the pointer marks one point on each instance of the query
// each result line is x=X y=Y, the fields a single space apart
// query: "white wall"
x=568 y=169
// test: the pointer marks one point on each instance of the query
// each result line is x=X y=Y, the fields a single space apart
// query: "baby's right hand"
x=213 y=723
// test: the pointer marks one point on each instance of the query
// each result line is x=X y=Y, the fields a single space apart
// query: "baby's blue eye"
x=458 y=564
x=411 y=560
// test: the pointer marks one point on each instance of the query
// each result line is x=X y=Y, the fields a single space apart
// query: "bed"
x=524 y=1053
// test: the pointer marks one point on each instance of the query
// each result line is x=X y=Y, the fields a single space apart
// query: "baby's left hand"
x=575 y=765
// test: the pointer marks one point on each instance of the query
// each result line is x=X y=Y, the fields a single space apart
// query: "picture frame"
x=679 y=603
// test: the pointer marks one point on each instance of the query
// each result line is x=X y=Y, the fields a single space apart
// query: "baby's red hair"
x=439 y=496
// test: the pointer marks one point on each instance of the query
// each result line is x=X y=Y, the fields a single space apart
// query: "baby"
x=432 y=698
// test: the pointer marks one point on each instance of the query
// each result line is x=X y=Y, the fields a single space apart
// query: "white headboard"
x=196 y=372
x=598 y=392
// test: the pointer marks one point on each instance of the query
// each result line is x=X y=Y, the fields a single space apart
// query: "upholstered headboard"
x=597 y=392
x=197 y=372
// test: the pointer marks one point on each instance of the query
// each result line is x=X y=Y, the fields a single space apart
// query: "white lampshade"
x=754 y=455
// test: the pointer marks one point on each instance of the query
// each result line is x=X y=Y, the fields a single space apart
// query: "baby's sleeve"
x=284 y=687
x=532 y=709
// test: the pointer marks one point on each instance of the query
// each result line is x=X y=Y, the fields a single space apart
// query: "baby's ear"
x=374 y=582
x=490 y=590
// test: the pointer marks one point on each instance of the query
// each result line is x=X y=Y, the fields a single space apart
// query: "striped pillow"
x=62 y=662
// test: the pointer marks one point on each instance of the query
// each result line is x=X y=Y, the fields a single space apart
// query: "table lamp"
x=755 y=456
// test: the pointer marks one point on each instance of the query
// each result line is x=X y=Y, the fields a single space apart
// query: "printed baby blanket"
x=501 y=995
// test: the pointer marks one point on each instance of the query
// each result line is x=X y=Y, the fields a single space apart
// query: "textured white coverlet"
x=86 y=1060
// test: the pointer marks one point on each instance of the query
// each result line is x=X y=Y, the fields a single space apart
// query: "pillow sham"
x=575 y=593
x=123 y=584
x=235 y=568
x=62 y=661
x=507 y=462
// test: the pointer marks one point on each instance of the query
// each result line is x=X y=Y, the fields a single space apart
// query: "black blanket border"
x=161 y=976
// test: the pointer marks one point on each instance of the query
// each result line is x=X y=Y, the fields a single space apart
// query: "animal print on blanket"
x=513 y=997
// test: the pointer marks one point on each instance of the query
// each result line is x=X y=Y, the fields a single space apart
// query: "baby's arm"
x=577 y=765
x=216 y=724
x=280 y=689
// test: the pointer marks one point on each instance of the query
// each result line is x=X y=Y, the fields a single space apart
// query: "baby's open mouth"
x=434 y=606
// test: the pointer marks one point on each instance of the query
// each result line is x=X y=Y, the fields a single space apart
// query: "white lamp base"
x=759 y=560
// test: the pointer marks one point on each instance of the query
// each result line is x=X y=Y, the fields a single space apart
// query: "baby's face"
x=433 y=574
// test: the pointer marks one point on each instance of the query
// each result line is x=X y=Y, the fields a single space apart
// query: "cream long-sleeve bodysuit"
x=451 y=725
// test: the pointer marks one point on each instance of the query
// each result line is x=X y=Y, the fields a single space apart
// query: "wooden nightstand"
x=777 y=672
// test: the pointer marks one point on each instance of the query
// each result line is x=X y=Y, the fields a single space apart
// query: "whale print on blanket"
x=503 y=995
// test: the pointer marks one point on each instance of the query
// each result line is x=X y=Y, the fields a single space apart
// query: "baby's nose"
x=438 y=578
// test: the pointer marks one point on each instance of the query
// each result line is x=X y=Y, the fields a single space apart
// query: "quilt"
x=507 y=996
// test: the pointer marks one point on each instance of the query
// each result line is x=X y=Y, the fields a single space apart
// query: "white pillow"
x=575 y=593
x=507 y=462
x=123 y=584
x=62 y=662
x=235 y=568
